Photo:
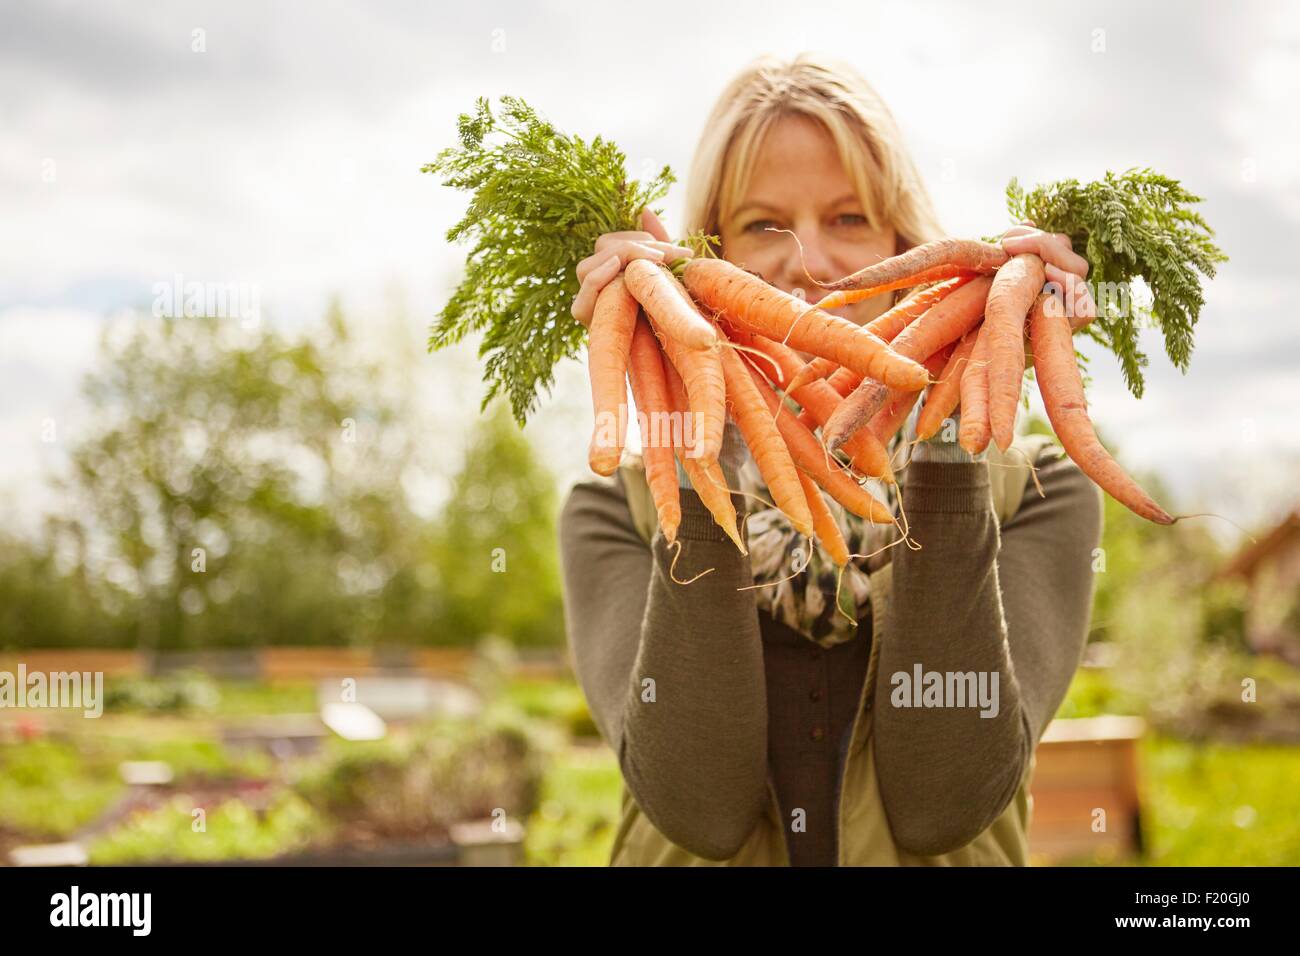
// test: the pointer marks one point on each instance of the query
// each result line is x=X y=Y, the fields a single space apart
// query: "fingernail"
x=612 y=259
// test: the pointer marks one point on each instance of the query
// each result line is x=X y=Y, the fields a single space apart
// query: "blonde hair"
x=836 y=96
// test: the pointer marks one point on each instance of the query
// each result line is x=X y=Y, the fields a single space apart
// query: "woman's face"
x=799 y=184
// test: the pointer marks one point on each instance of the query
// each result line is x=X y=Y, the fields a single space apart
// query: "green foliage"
x=181 y=692
x=539 y=201
x=286 y=460
x=232 y=831
x=1133 y=225
x=496 y=540
x=418 y=782
x=1220 y=805
x=1092 y=693
x=577 y=818
x=48 y=789
x=237 y=443
x=559 y=701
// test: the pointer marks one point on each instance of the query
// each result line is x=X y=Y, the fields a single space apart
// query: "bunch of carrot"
x=722 y=341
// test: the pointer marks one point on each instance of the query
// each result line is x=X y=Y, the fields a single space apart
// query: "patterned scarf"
x=800 y=591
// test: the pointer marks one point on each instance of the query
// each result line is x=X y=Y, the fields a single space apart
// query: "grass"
x=231 y=830
x=1220 y=805
x=577 y=815
x=50 y=787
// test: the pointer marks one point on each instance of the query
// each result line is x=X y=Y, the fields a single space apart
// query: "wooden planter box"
x=1083 y=767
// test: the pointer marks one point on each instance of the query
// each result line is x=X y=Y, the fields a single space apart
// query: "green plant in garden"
x=181 y=692
x=419 y=782
x=51 y=788
x=232 y=830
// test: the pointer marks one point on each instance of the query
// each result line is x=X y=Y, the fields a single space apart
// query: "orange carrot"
x=891 y=323
x=817 y=398
x=945 y=322
x=1061 y=386
x=973 y=433
x=709 y=481
x=809 y=457
x=701 y=373
x=607 y=350
x=891 y=418
x=765 y=443
x=828 y=532
x=967 y=254
x=817 y=368
x=945 y=393
x=848 y=296
x=844 y=381
x=1014 y=289
x=650 y=390
x=752 y=304
x=652 y=285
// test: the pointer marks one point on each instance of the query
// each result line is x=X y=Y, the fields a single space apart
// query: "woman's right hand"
x=615 y=250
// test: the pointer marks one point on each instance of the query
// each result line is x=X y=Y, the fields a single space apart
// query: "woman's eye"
x=851 y=219
x=758 y=225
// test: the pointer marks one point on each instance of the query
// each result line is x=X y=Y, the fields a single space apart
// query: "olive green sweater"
x=701 y=700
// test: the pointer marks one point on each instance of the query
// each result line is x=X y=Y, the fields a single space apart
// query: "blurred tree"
x=498 y=542
x=240 y=488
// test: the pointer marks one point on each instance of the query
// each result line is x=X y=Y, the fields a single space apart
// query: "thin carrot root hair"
x=731 y=343
x=672 y=568
x=803 y=262
x=746 y=494
x=789 y=577
x=904 y=527
x=893 y=544
x=1033 y=469
x=1211 y=514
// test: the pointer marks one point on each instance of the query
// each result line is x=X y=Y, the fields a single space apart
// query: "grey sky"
x=286 y=155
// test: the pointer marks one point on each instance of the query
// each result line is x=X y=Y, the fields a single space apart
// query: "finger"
x=1014 y=231
x=654 y=225
x=611 y=238
x=1058 y=251
x=584 y=303
x=1049 y=249
x=1027 y=222
x=671 y=250
x=626 y=250
x=1078 y=301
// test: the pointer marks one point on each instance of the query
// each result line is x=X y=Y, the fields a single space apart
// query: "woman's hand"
x=615 y=250
x=1063 y=266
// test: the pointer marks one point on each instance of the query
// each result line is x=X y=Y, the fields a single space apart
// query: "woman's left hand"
x=1063 y=266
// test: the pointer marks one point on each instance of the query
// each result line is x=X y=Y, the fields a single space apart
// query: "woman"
x=758 y=725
